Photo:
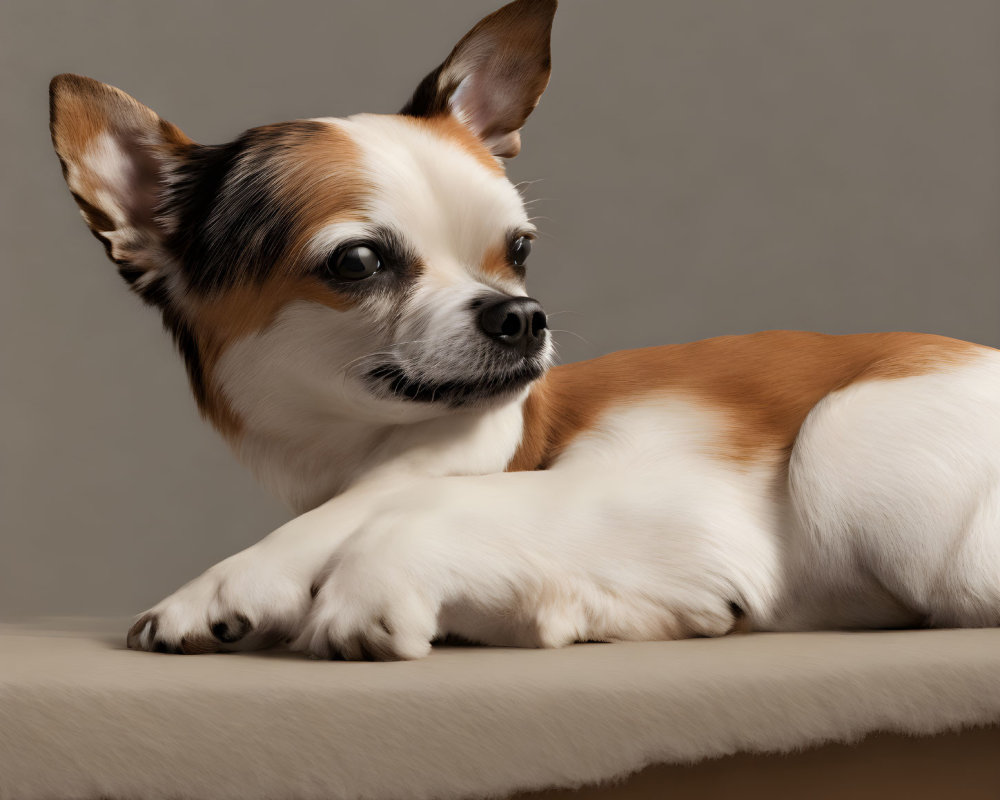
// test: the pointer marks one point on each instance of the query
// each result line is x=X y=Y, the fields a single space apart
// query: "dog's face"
x=371 y=267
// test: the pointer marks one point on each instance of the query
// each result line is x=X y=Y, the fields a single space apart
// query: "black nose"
x=518 y=323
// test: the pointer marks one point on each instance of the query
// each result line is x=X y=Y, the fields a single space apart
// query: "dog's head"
x=371 y=266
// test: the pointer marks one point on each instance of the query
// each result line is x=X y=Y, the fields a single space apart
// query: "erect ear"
x=117 y=156
x=495 y=76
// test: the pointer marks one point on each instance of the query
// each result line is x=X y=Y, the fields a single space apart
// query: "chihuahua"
x=349 y=298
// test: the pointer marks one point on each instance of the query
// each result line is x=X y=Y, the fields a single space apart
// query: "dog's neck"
x=311 y=463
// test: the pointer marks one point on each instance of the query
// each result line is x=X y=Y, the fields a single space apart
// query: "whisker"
x=388 y=352
x=557 y=313
x=526 y=184
x=571 y=333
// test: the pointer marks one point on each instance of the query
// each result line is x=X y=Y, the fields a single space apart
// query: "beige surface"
x=82 y=718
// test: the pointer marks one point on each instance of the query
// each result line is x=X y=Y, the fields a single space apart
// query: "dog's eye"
x=355 y=263
x=520 y=249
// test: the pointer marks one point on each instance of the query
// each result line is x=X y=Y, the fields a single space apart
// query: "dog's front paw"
x=371 y=606
x=238 y=604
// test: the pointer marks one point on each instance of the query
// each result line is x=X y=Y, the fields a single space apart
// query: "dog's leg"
x=540 y=559
x=258 y=596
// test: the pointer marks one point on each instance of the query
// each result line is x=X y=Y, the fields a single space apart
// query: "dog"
x=349 y=298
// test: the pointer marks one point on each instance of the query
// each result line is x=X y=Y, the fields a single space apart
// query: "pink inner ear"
x=486 y=110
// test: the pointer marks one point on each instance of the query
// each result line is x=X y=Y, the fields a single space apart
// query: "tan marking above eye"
x=766 y=383
x=496 y=262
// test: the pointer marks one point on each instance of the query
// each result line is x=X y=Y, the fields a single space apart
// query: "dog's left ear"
x=117 y=156
x=494 y=77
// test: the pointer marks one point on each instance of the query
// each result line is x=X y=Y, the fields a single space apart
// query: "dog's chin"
x=490 y=387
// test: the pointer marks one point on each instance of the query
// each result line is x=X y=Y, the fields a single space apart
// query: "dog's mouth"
x=391 y=379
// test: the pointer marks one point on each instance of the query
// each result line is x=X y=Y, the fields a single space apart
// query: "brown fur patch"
x=321 y=178
x=766 y=382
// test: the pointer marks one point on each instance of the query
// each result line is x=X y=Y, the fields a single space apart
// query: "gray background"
x=706 y=166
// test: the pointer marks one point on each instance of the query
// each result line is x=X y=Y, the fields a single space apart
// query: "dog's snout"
x=518 y=322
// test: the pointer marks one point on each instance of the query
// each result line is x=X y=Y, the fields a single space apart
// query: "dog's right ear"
x=494 y=77
x=117 y=156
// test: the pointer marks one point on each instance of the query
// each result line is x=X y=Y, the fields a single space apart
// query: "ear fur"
x=116 y=156
x=495 y=76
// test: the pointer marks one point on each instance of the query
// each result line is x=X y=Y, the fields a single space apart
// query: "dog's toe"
x=150 y=634
x=236 y=605
x=142 y=634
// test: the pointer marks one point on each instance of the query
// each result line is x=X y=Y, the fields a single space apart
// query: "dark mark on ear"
x=96 y=218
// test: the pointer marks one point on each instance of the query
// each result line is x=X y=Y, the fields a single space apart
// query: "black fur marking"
x=187 y=346
x=130 y=274
x=232 y=228
x=155 y=292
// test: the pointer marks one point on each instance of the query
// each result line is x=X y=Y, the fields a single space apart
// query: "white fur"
x=105 y=164
x=895 y=486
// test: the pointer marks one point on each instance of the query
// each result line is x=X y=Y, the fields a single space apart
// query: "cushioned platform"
x=80 y=717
